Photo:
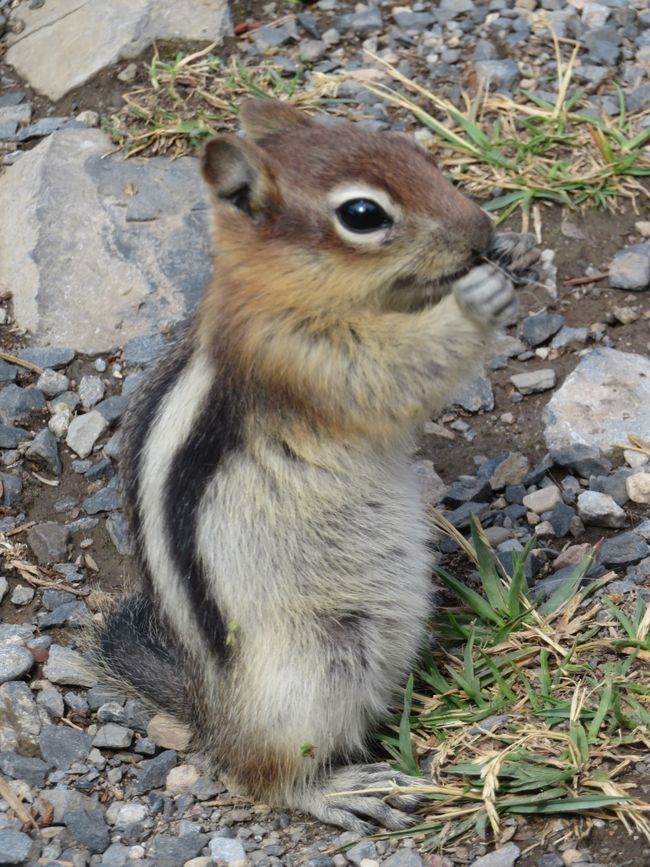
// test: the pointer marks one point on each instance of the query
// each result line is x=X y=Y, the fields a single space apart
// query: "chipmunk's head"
x=334 y=213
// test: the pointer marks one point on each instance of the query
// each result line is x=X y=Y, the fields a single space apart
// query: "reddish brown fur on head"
x=276 y=193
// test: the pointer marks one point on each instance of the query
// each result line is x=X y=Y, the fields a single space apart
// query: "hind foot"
x=358 y=799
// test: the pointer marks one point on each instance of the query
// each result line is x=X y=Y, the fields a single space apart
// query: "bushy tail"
x=135 y=653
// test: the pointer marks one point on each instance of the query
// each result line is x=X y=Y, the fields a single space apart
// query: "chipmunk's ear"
x=262 y=117
x=237 y=173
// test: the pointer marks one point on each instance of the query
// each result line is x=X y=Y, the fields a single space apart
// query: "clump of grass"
x=190 y=97
x=527 y=706
x=532 y=149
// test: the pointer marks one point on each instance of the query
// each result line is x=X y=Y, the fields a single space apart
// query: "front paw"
x=487 y=295
x=517 y=254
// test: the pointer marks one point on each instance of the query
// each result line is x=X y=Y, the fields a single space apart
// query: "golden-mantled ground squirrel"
x=281 y=536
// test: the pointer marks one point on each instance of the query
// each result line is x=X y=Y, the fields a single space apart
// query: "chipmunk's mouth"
x=415 y=293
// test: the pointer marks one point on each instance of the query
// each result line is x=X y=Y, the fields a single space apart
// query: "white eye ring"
x=353 y=192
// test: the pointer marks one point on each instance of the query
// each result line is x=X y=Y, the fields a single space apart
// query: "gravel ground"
x=105 y=781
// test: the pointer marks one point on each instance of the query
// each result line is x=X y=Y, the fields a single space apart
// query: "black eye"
x=363 y=215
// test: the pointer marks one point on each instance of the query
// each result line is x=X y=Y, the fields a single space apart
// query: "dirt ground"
x=603 y=235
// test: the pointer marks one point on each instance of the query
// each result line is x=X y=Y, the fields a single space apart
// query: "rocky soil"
x=99 y=258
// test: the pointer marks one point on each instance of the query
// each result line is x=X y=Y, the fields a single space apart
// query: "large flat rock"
x=96 y=251
x=606 y=398
x=65 y=42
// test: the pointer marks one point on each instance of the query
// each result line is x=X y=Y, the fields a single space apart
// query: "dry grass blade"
x=529 y=149
x=8 y=794
x=191 y=97
x=517 y=721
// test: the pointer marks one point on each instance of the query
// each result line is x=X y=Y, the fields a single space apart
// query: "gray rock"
x=48 y=541
x=70 y=572
x=361 y=23
x=539 y=328
x=153 y=772
x=560 y=518
x=134 y=381
x=475 y=395
x=468 y=489
x=44 y=450
x=404 y=858
x=364 y=849
x=638 y=99
x=504 y=856
x=626 y=549
x=32 y=771
x=114 y=737
x=11 y=631
x=308 y=22
x=226 y=851
x=583 y=459
x=144 y=349
x=117 y=855
x=11 y=436
x=12 y=488
x=89 y=828
x=53 y=357
x=91 y=391
x=111 y=711
x=156 y=242
x=4 y=587
x=460 y=517
x=172 y=851
x=69 y=614
x=312 y=50
x=17 y=404
x=614 y=485
x=484 y=50
x=14 y=846
x=639 y=573
x=46 y=126
x=416 y=21
x=567 y=337
x=8 y=372
x=113 y=408
x=502 y=74
x=606 y=398
x=600 y=510
x=643 y=530
x=100 y=695
x=52 y=383
x=15 y=662
x=19 y=711
x=457 y=7
x=49 y=55
x=603 y=44
x=84 y=431
x=535 y=381
x=68 y=667
x=118 y=530
x=511 y=471
x=51 y=699
x=105 y=500
x=101 y=470
x=550 y=859
x=61 y=746
x=271 y=37
x=630 y=269
x=22 y=595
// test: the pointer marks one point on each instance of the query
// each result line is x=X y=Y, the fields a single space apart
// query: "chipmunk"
x=283 y=545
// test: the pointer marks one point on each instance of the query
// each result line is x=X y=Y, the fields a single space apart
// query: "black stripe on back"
x=217 y=432
x=143 y=407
